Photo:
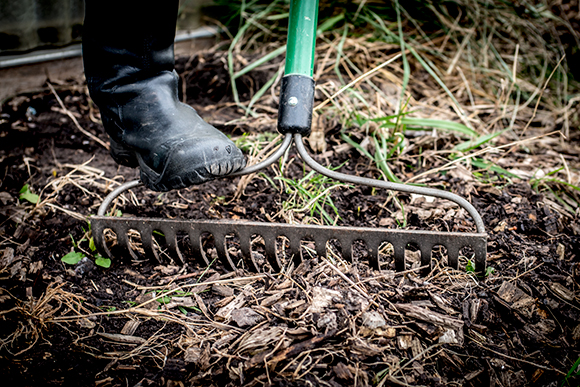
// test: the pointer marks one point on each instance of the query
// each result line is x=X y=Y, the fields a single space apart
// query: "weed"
x=311 y=194
x=572 y=373
x=567 y=194
x=73 y=258
x=103 y=262
x=26 y=194
x=470 y=268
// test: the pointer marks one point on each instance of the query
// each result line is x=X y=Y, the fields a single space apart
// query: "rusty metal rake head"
x=244 y=232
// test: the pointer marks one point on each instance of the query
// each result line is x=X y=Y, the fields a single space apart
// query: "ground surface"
x=324 y=322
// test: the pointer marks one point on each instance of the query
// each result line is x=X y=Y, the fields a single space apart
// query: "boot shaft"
x=127 y=41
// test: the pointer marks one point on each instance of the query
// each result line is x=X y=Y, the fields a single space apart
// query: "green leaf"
x=470 y=267
x=490 y=166
x=574 y=371
x=477 y=142
x=439 y=124
x=25 y=194
x=103 y=262
x=72 y=258
x=92 y=246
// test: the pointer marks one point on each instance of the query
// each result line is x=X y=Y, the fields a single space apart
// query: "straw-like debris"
x=478 y=99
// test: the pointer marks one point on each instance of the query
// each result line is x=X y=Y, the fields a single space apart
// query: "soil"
x=80 y=325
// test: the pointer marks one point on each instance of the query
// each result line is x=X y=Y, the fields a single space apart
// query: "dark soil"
x=520 y=326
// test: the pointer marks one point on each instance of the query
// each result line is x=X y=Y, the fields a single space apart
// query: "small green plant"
x=73 y=258
x=102 y=262
x=76 y=256
x=311 y=194
x=568 y=195
x=470 y=268
x=572 y=373
x=26 y=194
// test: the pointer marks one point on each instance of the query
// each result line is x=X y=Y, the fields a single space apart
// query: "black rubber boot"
x=128 y=59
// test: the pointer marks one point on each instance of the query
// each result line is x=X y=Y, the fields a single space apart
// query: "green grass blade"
x=262 y=90
x=477 y=142
x=415 y=123
x=489 y=166
x=266 y=58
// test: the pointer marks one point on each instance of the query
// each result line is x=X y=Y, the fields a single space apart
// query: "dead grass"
x=482 y=65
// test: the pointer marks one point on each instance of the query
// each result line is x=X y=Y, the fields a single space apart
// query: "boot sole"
x=181 y=179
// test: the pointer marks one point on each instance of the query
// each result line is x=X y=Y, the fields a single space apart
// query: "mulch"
x=325 y=321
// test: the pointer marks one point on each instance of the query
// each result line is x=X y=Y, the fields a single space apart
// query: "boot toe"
x=192 y=162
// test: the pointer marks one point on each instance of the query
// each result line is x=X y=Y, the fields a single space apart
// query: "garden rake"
x=294 y=121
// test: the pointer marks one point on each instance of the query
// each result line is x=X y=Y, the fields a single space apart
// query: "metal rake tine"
x=320 y=246
x=346 y=242
x=426 y=251
x=196 y=247
x=480 y=260
x=221 y=250
x=373 y=253
x=453 y=256
x=147 y=243
x=123 y=242
x=171 y=242
x=246 y=250
x=295 y=250
x=270 y=250
x=98 y=232
x=399 y=253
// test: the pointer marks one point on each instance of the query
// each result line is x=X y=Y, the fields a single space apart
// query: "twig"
x=486 y=150
x=344 y=277
x=541 y=94
x=365 y=75
x=74 y=120
x=515 y=358
x=525 y=272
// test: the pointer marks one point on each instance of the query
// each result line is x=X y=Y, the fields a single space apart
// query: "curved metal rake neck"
x=327 y=172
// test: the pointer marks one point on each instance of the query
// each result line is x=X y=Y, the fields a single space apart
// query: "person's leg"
x=128 y=60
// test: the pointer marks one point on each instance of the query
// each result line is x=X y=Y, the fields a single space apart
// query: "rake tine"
x=480 y=258
x=147 y=242
x=453 y=257
x=246 y=250
x=295 y=250
x=99 y=239
x=399 y=253
x=123 y=242
x=171 y=242
x=320 y=246
x=426 y=251
x=196 y=248
x=270 y=250
x=221 y=250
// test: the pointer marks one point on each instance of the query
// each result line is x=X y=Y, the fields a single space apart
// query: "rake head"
x=369 y=240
